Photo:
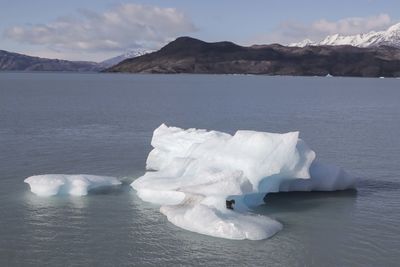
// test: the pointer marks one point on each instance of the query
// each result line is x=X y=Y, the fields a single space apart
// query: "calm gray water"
x=102 y=124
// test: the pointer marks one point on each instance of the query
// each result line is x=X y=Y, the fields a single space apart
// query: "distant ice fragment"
x=193 y=172
x=63 y=184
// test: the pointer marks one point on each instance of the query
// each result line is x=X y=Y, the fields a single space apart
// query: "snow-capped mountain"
x=390 y=37
x=130 y=54
x=303 y=43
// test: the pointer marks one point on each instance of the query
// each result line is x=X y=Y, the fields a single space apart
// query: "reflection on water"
x=35 y=202
x=300 y=201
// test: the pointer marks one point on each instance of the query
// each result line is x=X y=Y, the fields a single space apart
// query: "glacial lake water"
x=102 y=124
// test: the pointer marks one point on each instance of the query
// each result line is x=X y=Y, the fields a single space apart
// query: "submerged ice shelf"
x=63 y=184
x=191 y=173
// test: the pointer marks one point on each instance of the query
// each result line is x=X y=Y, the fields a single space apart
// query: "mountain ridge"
x=388 y=37
x=10 y=61
x=117 y=59
x=189 y=55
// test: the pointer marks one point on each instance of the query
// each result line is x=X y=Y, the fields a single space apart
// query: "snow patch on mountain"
x=389 y=37
x=129 y=54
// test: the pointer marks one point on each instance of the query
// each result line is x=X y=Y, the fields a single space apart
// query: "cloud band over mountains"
x=96 y=36
x=291 y=31
x=122 y=27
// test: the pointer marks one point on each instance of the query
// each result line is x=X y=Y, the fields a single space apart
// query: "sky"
x=96 y=30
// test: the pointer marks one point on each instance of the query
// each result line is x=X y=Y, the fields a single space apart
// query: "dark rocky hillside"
x=189 y=55
x=18 y=62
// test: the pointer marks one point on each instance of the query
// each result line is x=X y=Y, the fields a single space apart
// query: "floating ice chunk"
x=215 y=221
x=192 y=173
x=62 y=184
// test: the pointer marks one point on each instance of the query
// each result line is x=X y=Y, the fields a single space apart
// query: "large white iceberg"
x=63 y=184
x=193 y=172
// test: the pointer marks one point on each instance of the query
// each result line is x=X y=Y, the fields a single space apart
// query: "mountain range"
x=371 y=54
x=10 y=61
x=189 y=55
x=18 y=62
x=130 y=54
x=389 y=37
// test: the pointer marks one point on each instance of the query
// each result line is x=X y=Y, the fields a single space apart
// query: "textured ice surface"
x=62 y=184
x=192 y=172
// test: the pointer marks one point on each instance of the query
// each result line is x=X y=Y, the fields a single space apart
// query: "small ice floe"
x=63 y=184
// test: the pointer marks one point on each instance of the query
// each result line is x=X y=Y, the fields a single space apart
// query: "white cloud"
x=288 y=32
x=352 y=25
x=118 y=29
